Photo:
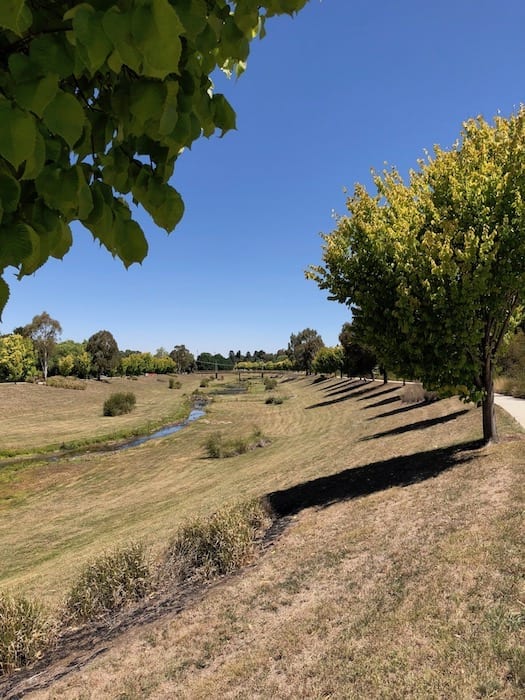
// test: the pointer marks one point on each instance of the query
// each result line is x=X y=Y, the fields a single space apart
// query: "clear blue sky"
x=344 y=86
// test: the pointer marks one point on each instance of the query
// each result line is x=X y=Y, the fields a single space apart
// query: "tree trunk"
x=490 y=432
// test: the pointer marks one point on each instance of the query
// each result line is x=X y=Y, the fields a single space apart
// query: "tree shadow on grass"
x=402 y=409
x=420 y=425
x=344 y=386
x=380 y=393
x=351 y=391
x=383 y=402
x=370 y=478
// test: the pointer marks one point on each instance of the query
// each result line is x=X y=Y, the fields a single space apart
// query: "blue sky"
x=344 y=86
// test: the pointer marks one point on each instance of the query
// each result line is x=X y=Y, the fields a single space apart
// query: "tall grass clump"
x=414 y=393
x=120 y=403
x=269 y=383
x=25 y=632
x=219 y=447
x=66 y=383
x=217 y=545
x=174 y=383
x=109 y=583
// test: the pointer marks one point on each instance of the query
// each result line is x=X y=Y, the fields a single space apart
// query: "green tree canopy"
x=44 y=332
x=183 y=358
x=97 y=100
x=434 y=270
x=104 y=352
x=303 y=347
x=358 y=360
x=328 y=360
x=17 y=358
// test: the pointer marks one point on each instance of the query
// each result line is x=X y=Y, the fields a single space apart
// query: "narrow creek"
x=197 y=412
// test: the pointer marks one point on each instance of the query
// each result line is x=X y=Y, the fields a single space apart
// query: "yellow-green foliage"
x=66 y=383
x=108 y=583
x=219 y=544
x=25 y=631
x=17 y=358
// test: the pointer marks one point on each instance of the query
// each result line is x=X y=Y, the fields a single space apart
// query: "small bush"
x=217 y=447
x=25 y=632
x=204 y=383
x=414 y=393
x=217 y=545
x=120 y=403
x=174 y=383
x=66 y=383
x=269 y=383
x=109 y=583
x=274 y=400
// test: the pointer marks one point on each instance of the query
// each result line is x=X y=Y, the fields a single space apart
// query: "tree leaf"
x=4 y=295
x=224 y=115
x=35 y=95
x=90 y=39
x=9 y=192
x=17 y=134
x=156 y=29
x=15 y=244
x=16 y=16
x=64 y=116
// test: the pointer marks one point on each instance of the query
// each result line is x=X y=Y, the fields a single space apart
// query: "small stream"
x=163 y=432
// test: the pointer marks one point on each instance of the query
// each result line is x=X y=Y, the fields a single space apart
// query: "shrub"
x=269 y=383
x=217 y=545
x=204 y=383
x=108 y=583
x=174 y=383
x=120 y=403
x=414 y=393
x=25 y=632
x=66 y=383
x=217 y=447
x=274 y=400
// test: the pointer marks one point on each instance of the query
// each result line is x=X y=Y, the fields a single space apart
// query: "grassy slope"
x=406 y=581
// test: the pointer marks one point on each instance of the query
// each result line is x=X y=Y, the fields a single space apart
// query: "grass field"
x=400 y=574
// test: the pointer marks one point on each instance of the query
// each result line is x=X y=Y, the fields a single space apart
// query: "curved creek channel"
x=196 y=413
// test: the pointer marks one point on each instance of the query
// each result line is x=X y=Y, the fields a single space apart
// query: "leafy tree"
x=65 y=365
x=97 y=100
x=67 y=348
x=303 y=347
x=183 y=358
x=104 y=352
x=136 y=363
x=443 y=257
x=511 y=361
x=17 y=358
x=358 y=360
x=82 y=366
x=43 y=331
x=328 y=360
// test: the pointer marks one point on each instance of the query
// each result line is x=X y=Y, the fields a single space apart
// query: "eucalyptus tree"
x=98 y=99
x=44 y=331
x=104 y=352
x=434 y=270
x=303 y=347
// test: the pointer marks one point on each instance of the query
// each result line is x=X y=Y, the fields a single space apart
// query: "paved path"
x=516 y=407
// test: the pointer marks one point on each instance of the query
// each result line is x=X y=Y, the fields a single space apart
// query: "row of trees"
x=36 y=346
x=434 y=269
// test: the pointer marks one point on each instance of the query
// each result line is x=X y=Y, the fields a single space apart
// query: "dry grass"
x=400 y=575
x=35 y=416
